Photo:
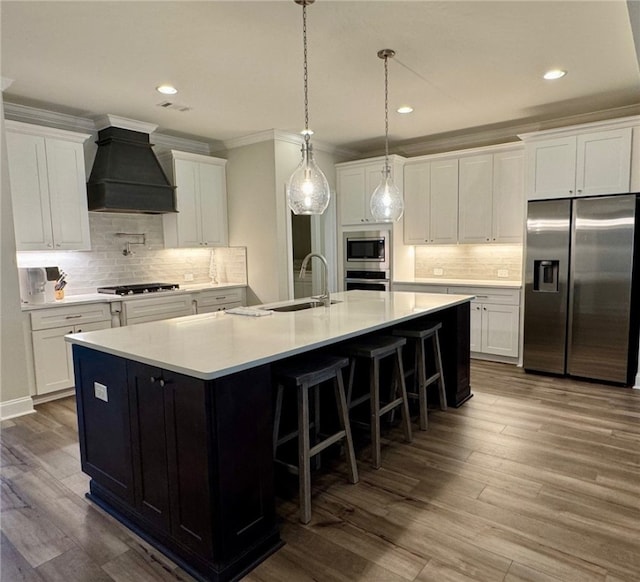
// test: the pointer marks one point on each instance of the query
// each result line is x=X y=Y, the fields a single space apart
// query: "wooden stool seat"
x=418 y=333
x=303 y=374
x=373 y=349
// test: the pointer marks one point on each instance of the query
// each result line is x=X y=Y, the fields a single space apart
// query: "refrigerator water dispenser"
x=545 y=276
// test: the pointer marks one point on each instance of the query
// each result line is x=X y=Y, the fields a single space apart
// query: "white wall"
x=251 y=204
x=15 y=396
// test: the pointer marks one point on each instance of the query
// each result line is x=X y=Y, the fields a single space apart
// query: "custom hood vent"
x=126 y=175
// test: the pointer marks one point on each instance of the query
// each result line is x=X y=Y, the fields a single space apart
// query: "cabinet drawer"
x=69 y=315
x=489 y=295
x=419 y=288
x=217 y=297
x=157 y=308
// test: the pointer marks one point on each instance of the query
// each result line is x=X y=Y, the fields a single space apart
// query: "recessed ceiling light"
x=554 y=74
x=405 y=109
x=166 y=90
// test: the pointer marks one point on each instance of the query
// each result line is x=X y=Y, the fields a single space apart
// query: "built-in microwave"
x=368 y=250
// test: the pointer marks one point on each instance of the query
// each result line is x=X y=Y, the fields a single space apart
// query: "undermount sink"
x=300 y=306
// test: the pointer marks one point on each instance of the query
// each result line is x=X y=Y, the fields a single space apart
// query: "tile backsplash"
x=105 y=264
x=480 y=262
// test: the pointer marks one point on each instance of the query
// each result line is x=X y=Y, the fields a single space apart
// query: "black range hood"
x=126 y=175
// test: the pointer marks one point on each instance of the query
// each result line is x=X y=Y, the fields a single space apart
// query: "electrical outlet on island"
x=503 y=273
x=188 y=276
x=438 y=271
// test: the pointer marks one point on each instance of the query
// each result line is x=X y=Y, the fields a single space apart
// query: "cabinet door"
x=475 y=199
x=417 y=194
x=604 y=162
x=551 y=168
x=149 y=443
x=29 y=191
x=52 y=359
x=500 y=329
x=188 y=411
x=351 y=190
x=443 y=213
x=372 y=179
x=475 y=343
x=68 y=195
x=212 y=190
x=508 y=197
x=188 y=202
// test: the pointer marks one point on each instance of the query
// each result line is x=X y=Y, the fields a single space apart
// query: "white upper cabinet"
x=431 y=202
x=583 y=164
x=355 y=183
x=475 y=199
x=48 y=187
x=466 y=199
x=201 y=196
x=508 y=197
x=443 y=216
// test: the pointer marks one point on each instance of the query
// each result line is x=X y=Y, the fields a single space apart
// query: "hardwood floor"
x=533 y=479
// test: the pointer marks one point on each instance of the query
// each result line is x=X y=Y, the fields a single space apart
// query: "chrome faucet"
x=326 y=300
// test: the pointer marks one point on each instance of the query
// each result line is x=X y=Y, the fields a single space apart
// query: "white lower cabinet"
x=52 y=355
x=156 y=308
x=495 y=320
x=218 y=300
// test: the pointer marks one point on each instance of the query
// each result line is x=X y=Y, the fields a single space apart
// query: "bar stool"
x=418 y=334
x=373 y=349
x=305 y=373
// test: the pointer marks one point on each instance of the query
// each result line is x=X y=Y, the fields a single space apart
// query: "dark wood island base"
x=187 y=463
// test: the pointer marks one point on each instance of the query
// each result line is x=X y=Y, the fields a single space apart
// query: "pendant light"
x=386 y=201
x=307 y=189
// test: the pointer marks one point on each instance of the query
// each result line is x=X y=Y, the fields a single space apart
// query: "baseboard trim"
x=53 y=396
x=16 y=407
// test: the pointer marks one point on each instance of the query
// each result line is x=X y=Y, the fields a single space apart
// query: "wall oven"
x=366 y=280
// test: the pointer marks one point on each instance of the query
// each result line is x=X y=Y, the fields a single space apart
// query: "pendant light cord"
x=306 y=74
x=386 y=111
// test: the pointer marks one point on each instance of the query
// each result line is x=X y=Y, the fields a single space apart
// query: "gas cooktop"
x=137 y=289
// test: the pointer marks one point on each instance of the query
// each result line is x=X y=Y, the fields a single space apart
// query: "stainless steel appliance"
x=367 y=260
x=367 y=250
x=581 y=275
x=138 y=288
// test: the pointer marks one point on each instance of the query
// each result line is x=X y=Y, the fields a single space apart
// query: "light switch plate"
x=100 y=391
x=438 y=271
x=503 y=273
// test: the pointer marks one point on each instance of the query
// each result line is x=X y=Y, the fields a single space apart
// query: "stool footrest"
x=433 y=379
x=356 y=401
x=389 y=407
x=321 y=446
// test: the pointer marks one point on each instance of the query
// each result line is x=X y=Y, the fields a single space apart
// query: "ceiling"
x=238 y=64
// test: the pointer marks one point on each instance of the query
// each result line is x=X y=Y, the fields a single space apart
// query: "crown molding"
x=39 y=130
x=36 y=116
x=630 y=121
x=5 y=83
x=506 y=133
x=171 y=142
x=109 y=120
x=287 y=137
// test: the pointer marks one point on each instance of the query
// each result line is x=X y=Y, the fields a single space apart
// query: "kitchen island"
x=175 y=417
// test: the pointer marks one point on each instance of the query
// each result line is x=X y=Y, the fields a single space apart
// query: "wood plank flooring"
x=534 y=479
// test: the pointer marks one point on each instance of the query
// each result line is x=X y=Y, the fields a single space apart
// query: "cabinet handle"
x=162 y=383
x=152 y=379
x=488 y=240
x=206 y=244
x=579 y=191
x=484 y=309
x=223 y=297
x=570 y=191
x=49 y=245
x=73 y=316
x=58 y=244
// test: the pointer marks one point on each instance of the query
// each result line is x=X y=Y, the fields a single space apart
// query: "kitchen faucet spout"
x=325 y=298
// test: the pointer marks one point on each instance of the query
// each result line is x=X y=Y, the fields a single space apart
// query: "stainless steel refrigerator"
x=582 y=287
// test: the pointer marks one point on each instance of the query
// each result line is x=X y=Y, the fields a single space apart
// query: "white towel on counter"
x=251 y=311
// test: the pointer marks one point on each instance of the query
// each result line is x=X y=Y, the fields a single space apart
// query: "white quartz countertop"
x=212 y=345
x=461 y=282
x=107 y=298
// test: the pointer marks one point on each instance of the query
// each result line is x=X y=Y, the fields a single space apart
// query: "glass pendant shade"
x=307 y=189
x=386 y=201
